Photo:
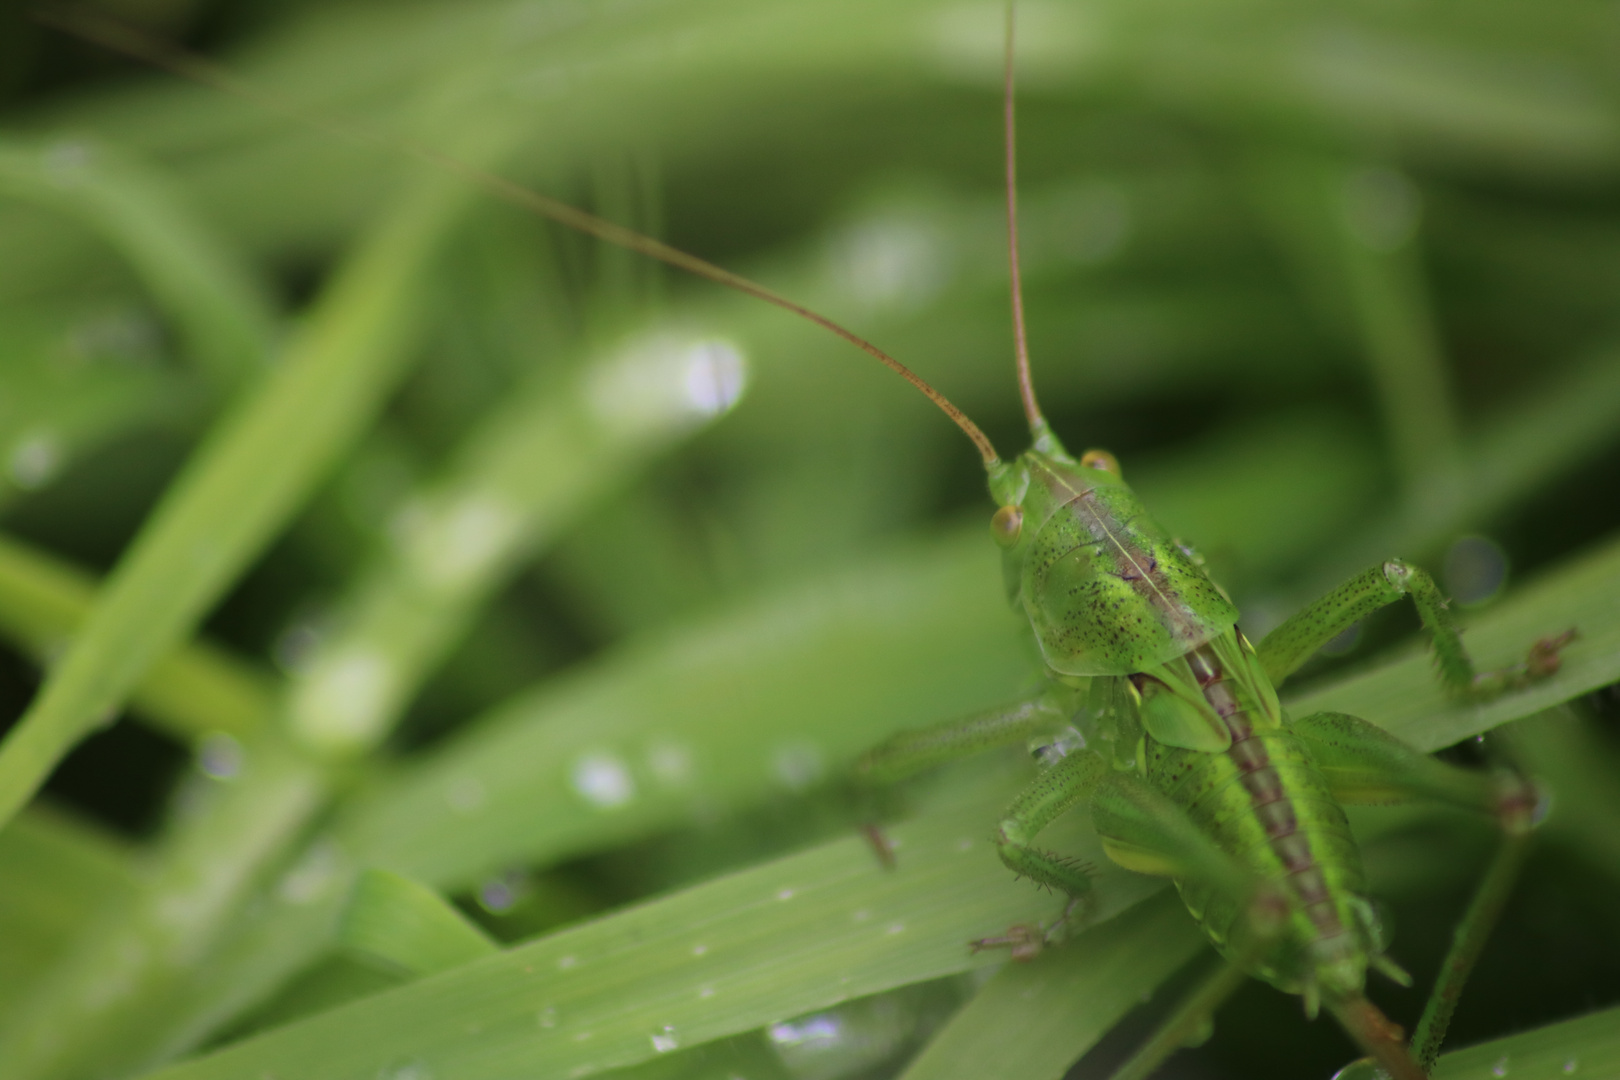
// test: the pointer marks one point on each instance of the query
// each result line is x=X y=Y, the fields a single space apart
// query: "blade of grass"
x=514 y=484
x=1543 y=436
x=528 y=470
x=409 y=926
x=194 y=690
x=722 y=958
x=1587 y=1046
x=59 y=872
x=1035 y=1020
x=223 y=314
x=241 y=485
x=686 y=694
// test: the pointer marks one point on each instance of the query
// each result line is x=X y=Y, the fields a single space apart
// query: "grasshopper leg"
x=1365 y=764
x=910 y=752
x=1291 y=644
x=1070 y=781
x=1145 y=831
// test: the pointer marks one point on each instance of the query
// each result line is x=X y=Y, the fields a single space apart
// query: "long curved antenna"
x=129 y=42
x=1026 y=385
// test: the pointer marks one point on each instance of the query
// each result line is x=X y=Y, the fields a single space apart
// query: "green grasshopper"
x=1190 y=766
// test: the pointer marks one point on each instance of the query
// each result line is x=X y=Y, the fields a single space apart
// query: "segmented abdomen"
x=1265 y=803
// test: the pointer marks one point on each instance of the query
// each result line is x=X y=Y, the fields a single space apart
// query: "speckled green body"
x=1105 y=589
x=1265 y=803
x=1108 y=593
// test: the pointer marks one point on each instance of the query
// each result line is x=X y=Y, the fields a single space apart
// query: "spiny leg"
x=1467 y=942
x=1365 y=764
x=1144 y=830
x=910 y=752
x=1291 y=644
x=1055 y=790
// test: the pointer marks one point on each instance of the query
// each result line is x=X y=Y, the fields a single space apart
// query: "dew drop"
x=1501 y=1066
x=220 y=756
x=1474 y=570
x=896 y=928
x=35 y=459
x=411 y=1070
x=298 y=646
x=1570 y=1066
x=66 y=159
x=670 y=762
x=1362 y=1069
x=893 y=261
x=603 y=780
x=465 y=795
x=785 y=894
x=797 y=765
x=861 y=915
x=567 y=962
x=705 y=991
x=714 y=376
x=700 y=950
x=346 y=699
x=964 y=844
x=502 y=893
x=452 y=547
x=312 y=875
x=666 y=1040
x=1201 y=1033
x=820 y=1028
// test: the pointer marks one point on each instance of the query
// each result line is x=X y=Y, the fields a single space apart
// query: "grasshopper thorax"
x=1105 y=589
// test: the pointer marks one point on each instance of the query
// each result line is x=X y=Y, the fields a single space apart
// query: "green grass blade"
x=222 y=312
x=1035 y=1020
x=519 y=480
x=731 y=709
x=244 y=482
x=409 y=926
x=719 y=959
x=115 y=974
x=1587 y=1046
x=190 y=692
x=515 y=483
x=58 y=873
x=1556 y=427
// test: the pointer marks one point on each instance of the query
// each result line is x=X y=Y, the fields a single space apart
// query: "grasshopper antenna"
x=1026 y=385
x=128 y=41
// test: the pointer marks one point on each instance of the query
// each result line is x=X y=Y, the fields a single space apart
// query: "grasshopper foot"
x=1026 y=941
x=1543 y=660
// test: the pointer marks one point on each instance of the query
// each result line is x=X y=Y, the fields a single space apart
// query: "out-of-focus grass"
x=416 y=534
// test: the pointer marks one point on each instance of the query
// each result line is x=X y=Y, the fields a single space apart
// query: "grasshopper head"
x=1106 y=591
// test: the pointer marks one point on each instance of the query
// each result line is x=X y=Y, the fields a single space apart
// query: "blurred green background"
x=557 y=581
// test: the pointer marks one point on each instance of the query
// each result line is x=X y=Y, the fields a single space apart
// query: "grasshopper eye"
x=1100 y=459
x=1007 y=524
